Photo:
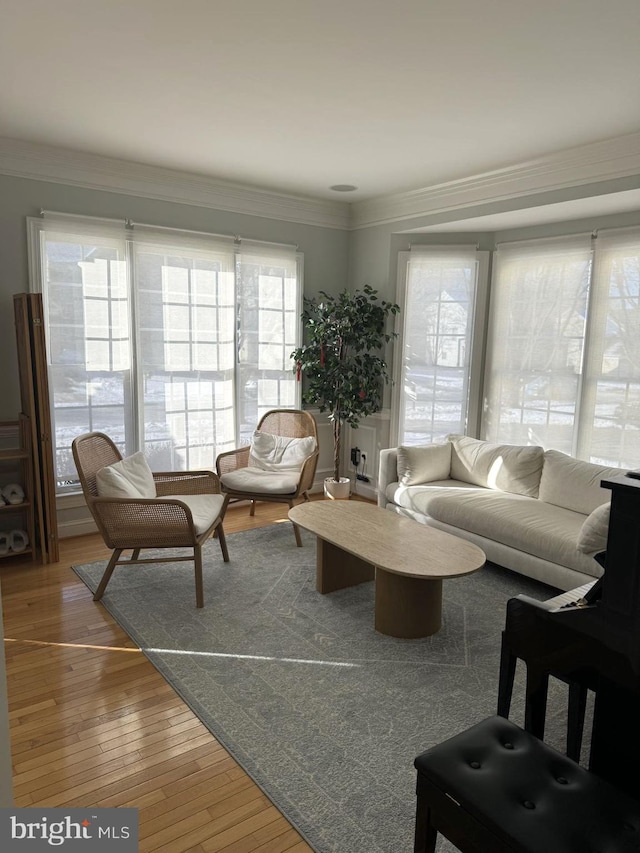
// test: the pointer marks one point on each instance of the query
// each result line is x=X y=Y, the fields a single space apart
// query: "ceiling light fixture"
x=343 y=188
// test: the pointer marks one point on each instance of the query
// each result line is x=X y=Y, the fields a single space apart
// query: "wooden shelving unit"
x=16 y=466
x=35 y=404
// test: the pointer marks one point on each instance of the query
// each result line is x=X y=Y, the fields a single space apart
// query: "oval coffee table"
x=360 y=542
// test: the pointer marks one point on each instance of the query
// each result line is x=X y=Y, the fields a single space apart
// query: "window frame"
x=477 y=335
x=37 y=226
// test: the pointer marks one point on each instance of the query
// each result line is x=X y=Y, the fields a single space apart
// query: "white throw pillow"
x=129 y=478
x=279 y=452
x=423 y=464
x=510 y=468
x=594 y=532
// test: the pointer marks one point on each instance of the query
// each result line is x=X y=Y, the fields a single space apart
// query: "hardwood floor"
x=94 y=723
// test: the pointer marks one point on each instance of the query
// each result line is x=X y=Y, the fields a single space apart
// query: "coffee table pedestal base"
x=407 y=607
x=337 y=569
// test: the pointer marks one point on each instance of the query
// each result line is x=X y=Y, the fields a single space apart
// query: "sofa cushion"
x=546 y=531
x=423 y=464
x=574 y=484
x=595 y=531
x=131 y=477
x=418 y=498
x=278 y=452
x=504 y=467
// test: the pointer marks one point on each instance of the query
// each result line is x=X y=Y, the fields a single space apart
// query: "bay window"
x=559 y=364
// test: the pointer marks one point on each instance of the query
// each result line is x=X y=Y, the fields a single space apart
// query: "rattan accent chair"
x=240 y=481
x=166 y=521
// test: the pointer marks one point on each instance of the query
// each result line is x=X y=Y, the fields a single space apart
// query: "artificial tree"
x=344 y=373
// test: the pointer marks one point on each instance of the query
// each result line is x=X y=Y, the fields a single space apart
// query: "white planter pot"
x=337 y=491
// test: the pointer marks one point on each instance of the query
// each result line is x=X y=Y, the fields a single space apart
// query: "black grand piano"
x=589 y=638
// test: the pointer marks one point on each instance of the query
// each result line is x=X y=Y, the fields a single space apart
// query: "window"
x=168 y=341
x=609 y=418
x=269 y=328
x=563 y=362
x=438 y=314
x=536 y=342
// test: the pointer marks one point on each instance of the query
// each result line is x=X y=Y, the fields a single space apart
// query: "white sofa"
x=540 y=513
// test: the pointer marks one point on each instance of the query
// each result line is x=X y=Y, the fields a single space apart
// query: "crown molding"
x=573 y=167
x=90 y=171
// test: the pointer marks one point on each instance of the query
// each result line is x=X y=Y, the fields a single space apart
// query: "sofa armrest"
x=387 y=473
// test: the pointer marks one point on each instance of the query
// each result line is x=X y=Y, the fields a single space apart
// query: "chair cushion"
x=279 y=452
x=259 y=482
x=131 y=477
x=204 y=508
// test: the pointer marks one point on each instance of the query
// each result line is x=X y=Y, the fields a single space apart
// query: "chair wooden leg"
x=197 y=559
x=252 y=508
x=107 y=574
x=223 y=543
x=296 y=529
x=135 y=554
x=215 y=534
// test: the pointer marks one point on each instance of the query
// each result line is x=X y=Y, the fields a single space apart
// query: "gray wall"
x=325 y=249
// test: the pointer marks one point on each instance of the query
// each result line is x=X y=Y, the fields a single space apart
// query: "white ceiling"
x=298 y=95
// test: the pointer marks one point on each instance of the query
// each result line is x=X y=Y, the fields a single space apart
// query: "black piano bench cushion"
x=495 y=788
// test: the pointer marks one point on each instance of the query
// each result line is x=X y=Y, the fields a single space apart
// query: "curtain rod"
x=440 y=246
x=550 y=239
x=59 y=213
x=267 y=243
x=130 y=223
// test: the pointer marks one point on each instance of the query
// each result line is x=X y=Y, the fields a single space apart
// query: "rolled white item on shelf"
x=13 y=493
x=18 y=540
x=4 y=542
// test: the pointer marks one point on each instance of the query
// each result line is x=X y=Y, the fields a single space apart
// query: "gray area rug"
x=325 y=714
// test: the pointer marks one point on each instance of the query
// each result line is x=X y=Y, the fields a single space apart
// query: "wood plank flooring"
x=93 y=722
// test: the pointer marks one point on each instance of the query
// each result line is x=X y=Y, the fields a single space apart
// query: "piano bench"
x=498 y=789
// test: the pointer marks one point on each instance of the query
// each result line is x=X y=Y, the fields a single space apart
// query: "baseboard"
x=79 y=527
x=365 y=490
x=358 y=487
